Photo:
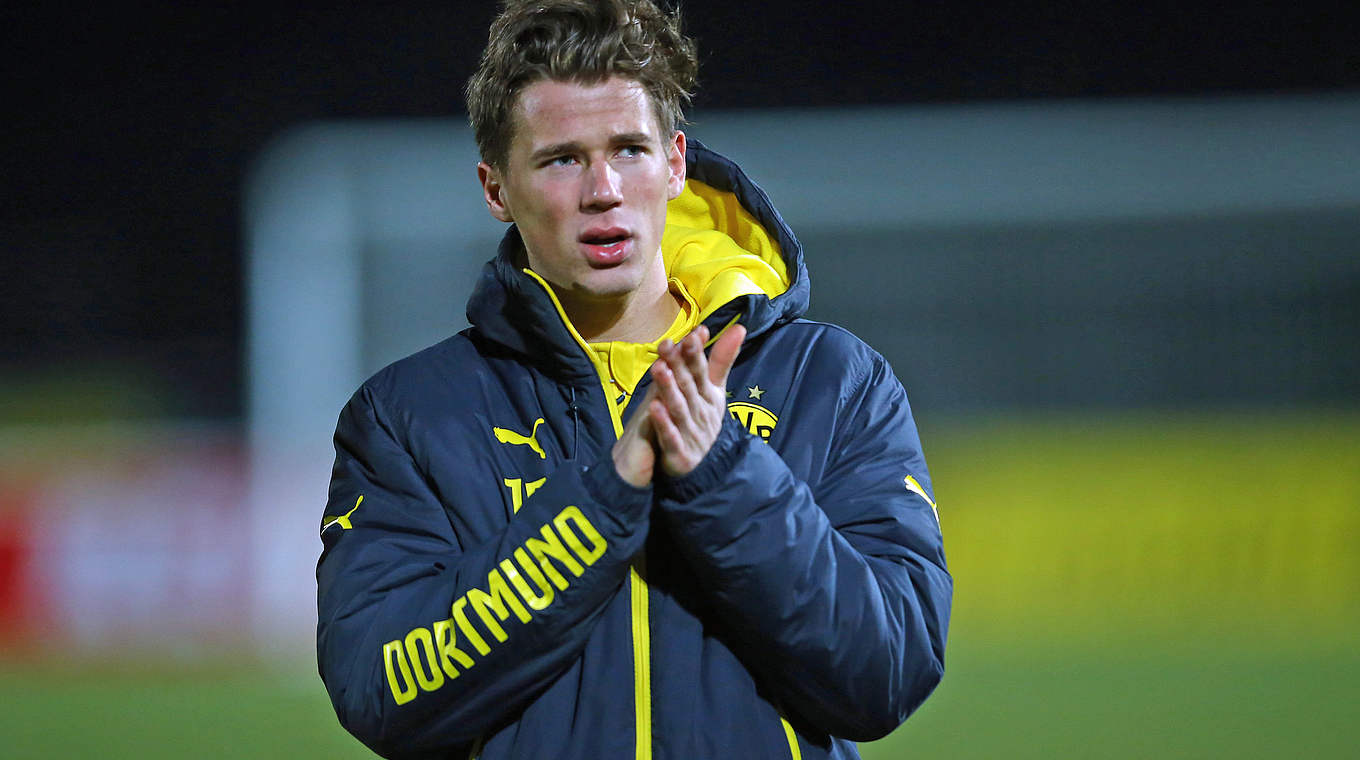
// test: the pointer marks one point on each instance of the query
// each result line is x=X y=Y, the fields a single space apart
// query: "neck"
x=640 y=316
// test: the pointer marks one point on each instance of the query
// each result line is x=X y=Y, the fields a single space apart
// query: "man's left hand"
x=691 y=401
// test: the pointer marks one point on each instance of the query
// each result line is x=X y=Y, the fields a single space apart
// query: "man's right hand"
x=634 y=453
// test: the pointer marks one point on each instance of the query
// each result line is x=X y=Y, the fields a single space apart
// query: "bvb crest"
x=754 y=417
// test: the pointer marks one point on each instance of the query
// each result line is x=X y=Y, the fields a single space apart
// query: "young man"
x=568 y=531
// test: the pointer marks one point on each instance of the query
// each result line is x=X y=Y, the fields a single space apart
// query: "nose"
x=602 y=189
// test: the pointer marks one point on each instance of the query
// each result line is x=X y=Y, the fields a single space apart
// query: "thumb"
x=724 y=354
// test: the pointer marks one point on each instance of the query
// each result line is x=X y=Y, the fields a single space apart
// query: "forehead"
x=551 y=111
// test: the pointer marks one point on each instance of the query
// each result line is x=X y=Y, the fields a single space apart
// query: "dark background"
x=130 y=128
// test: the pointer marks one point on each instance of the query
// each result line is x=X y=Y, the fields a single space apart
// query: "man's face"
x=586 y=181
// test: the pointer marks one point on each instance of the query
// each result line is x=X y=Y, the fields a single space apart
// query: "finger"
x=637 y=426
x=683 y=377
x=692 y=352
x=637 y=422
x=724 y=354
x=669 y=394
x=645 y=427
x=642 y=435
x=674 y=453
x=668 y=435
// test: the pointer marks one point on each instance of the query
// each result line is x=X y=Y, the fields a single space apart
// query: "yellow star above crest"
x=756 y=392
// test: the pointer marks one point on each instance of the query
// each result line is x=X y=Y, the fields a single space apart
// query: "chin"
x=612 y=282
x=607 y=288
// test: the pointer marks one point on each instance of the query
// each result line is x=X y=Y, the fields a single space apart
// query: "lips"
x=605 y=246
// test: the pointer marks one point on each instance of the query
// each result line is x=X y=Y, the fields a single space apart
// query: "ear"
x=493 y=191
x=676 y=160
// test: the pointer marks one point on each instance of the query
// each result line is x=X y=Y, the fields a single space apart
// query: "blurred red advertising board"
x=124 y=539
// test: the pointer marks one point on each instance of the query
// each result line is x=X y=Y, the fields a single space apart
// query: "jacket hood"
x=724 y=241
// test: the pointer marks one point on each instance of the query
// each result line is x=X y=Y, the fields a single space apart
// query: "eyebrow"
x=626 y=138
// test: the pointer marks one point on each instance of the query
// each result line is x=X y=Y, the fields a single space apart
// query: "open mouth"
x=605 y=247
x=604 y=239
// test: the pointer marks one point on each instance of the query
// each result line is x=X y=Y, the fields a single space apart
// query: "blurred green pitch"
x=1127 y=586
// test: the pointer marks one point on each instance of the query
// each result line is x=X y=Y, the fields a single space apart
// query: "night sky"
x=130 y=127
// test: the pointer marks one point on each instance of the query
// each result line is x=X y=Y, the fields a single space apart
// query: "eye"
x=632 y=151
x=566 y=159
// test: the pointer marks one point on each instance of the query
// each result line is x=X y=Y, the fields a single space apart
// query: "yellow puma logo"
x=916 y=488
x=516 y=439
x=342 y=520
